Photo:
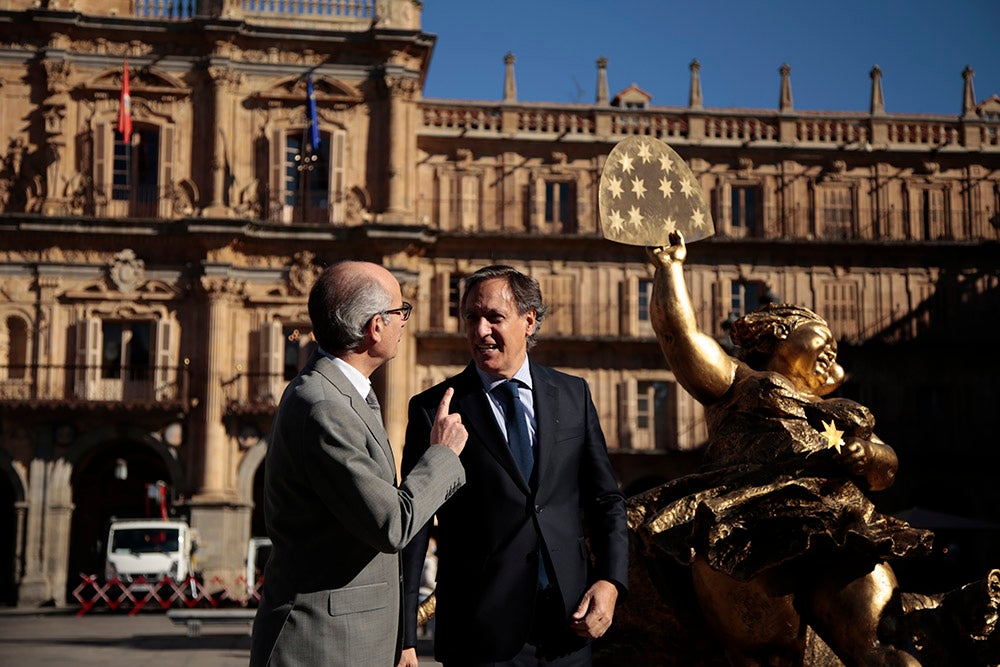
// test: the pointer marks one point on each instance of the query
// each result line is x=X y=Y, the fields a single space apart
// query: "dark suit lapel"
x=546 y=420
x=477 y=416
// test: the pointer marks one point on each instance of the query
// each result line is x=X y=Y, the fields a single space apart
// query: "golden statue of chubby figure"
x=776 y=526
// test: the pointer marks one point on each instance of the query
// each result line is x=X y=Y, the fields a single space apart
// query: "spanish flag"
x=125 y=109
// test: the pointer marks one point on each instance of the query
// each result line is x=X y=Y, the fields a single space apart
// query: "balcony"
x=253 y=393
x=716 y=127
x=349 y=15
x=129 y=387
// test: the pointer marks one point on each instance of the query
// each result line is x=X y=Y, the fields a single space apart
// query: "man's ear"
x=374 y=327
x=532 y=322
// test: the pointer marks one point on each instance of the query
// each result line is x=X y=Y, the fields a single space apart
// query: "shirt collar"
x=353 y=375
x=523 y=375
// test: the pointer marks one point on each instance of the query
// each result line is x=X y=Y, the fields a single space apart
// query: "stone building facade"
x=153 y=292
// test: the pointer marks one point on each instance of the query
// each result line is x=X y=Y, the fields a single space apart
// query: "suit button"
x=538 y=509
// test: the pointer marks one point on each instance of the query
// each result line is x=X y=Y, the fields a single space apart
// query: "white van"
x=149 y=548
x=258 y=551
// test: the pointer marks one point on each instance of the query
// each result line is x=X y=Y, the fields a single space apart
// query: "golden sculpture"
x=776 y=528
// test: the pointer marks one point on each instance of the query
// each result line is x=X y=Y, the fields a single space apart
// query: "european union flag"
x=313 y=143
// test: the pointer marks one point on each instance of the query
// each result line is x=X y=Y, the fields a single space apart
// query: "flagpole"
x=125 y=128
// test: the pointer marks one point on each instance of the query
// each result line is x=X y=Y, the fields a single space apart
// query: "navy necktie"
x=520 y=446
x=517 y=427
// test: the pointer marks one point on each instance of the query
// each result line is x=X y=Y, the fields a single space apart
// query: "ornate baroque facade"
x=153 y=293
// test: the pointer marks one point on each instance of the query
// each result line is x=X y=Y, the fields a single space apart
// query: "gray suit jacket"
x=338 y=519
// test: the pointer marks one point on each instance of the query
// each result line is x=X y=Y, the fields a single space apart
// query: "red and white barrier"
x=166 y=593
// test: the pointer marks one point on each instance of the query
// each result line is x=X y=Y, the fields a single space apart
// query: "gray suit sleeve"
x=348 y=470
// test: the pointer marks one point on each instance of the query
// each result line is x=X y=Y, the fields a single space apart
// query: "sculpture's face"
x=808 y=357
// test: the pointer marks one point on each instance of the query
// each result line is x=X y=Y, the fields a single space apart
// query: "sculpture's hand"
x=596 y=610
x=666 y=255
x=873 y=461
x=854 y=457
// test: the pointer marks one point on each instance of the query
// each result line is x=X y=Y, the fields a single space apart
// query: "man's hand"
x=593 y=615
x=408 y=658
x=448 y=429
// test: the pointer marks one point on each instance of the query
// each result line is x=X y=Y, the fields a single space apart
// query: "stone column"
x=224 y=82
x=400 y=384
x=216 y=481
x=216 y=510
x=402 y=145
x=35 y=587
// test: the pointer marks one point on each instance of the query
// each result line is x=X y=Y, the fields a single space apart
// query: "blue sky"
x=922 y=47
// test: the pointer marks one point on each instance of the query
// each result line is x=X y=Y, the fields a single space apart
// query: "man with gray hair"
x=335 y=512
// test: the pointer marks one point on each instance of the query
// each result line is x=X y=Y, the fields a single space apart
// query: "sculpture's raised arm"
x=700 y=364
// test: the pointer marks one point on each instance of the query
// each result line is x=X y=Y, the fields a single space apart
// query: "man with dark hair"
x=335 y=512
x=533 y=550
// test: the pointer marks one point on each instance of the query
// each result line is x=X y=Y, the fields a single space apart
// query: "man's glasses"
x=404 y=312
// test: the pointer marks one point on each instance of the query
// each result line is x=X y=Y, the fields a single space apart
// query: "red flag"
x=125 y=109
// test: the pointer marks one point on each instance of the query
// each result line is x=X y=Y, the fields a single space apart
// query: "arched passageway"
x=110 y=481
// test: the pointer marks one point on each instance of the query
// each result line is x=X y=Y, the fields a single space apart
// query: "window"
x=455 y=285
x=560 y=208
x=284 y=350
x=840 y=308
x=744 y=203
x=464 y=204
x=125 y=350
x=127 y=360
x=645 y=296
x=307 y=186
x=135 y=172
x=649 y=417
x=559 y=296
x=16 y=356
x=836 y=213
x=307 y=178
x=299 y=344
x=746 y=297
x=931 y=214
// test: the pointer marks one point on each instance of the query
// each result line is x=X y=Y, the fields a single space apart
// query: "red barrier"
x=137 y=594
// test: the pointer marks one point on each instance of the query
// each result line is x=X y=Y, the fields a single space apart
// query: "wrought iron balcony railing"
x=128 y=385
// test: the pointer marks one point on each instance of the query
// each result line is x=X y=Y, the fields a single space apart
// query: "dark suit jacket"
x=490 y=531
x=338 y=520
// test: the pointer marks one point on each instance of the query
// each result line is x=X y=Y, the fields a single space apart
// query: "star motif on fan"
x=644 y=153
x=638 y=188
x=616 y=220
x=615 y=187
x=698 y=219
x=666 y=187
x=635 y=216
x=627 y=163
x=670 y=223
x=666 y=164
x=687 y=187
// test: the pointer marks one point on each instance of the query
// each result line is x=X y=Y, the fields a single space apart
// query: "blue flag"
x=313 y=119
